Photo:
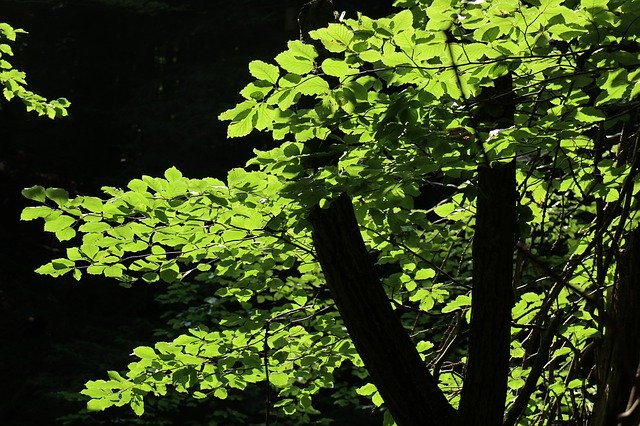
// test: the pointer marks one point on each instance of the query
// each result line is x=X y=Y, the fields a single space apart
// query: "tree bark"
x=402 y=378
x=485 y=385
x=619 y=358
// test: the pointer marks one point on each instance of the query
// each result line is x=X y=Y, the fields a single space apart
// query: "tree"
x=14 y=82
x=451 y=209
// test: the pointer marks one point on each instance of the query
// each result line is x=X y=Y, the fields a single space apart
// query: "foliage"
x=388 y=115
x=13 y=81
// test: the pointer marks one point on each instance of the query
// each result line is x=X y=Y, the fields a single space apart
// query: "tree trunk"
x=485 y=385
x=619 y=359
x=402 y=378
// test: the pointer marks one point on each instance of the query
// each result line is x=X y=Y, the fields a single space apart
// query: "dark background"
x=146 y=80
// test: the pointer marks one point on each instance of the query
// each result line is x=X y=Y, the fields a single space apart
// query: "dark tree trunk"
x=619 y=358
x=485 y=385
x=408 y=389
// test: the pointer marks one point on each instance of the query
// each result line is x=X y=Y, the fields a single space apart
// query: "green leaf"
x=402 y=21
x=35 y=193
x=589 y=115
x=265 y=117
x=93 y=204
x=424 y=346
x=241 y=110
x=145 y=352
x=113 y=271
x=444 y=210
x=98 y=404
x=137 y=405
x=114 y=375
x=313 y=85
x=256 y=91
x=425 y=274
x=461 y=302
x=242 y=127
x=299 y=59
x=337 y=68
x=515 y=384
x=377 y=399
x=279 y=380
x=220 y=393
x=367 y=390
x=65 y=234
x=370 y=55
x=58 y=195
x=263 y=71
x=59 y=223
x=172 y=174
x=30 y=213
x=335 y=37
x=614 y=85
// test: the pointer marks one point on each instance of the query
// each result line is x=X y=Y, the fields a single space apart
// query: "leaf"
x=151 y=277
x=367 y=390
x=93 y=204
x=460 y=302
x=241 y=110
x=445 y=209
x=377 y=399
x=242 y=127
x=56 y=267
x=370 y=56
x=265 y=115
x=425 y=274
x=59 y=223
x=589 y=115
x=515 y=384
x=298 y=59
x=6 y=49
x=94 y=227
x=137 y=405
x=402 y=21
x=263 y=71
x=257 y=90
x=145 y=352
x=30 y=213
x=172 y=174
x=98 y=404
x=8 y=94
x=424 y=346
x=488 y=33
x=114 y=375
x=58 y=195
x=279 y=380
x=614 y=85
x=313 y=85
x=65 y=234
x=170 y=273
x=337 y=68
x=35 y=193
x=335 y=37
x=113 y=271
x=220 y=393
x=8 y=31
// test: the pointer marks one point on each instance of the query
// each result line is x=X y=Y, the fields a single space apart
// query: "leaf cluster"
x=390 y=111
x=14 y=82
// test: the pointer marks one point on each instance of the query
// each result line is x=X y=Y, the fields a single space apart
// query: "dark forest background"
x=146 y=80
